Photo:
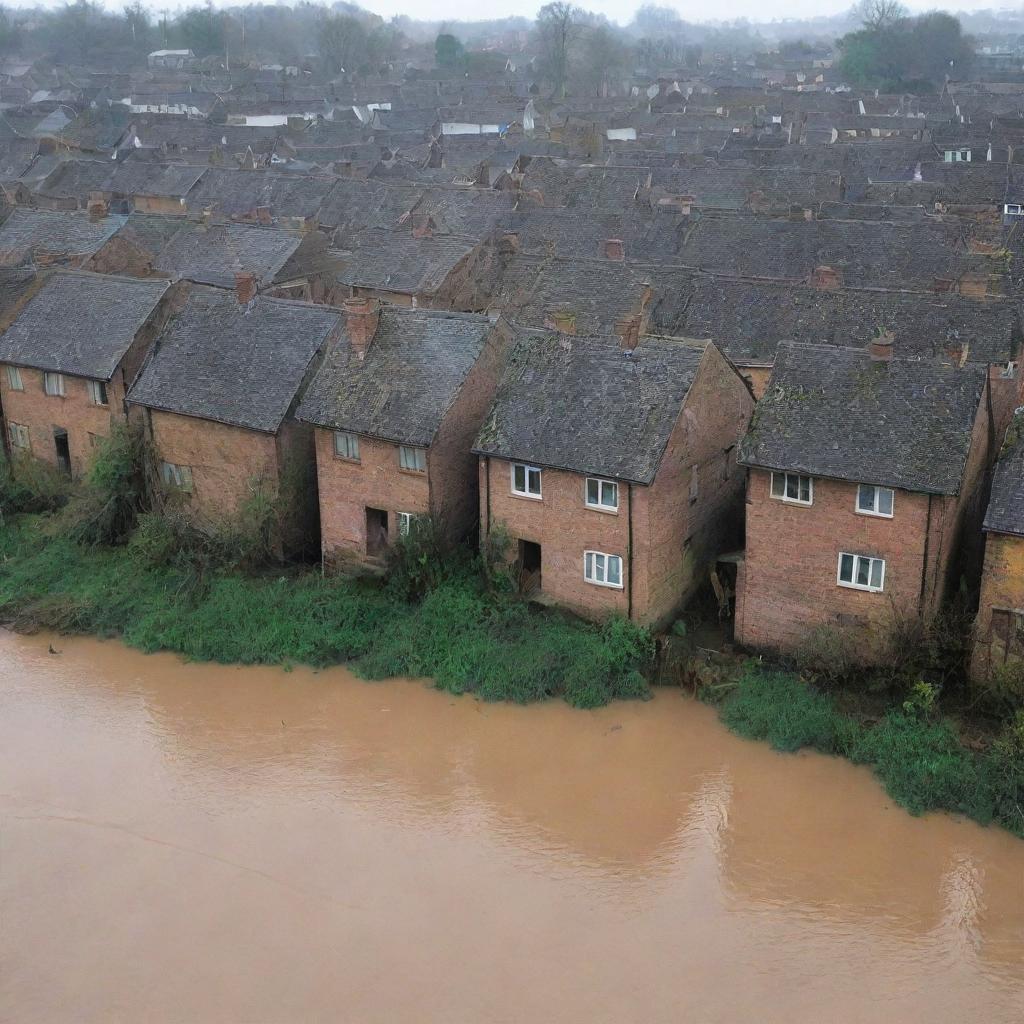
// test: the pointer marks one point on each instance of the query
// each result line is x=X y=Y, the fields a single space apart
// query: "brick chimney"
x=827 y=279
x=361 y=317
x=974 y=286
x=245 y=288
x=564 y=322
x=881 y=347
x=628 y=330
x=97 y=207
x=422 y=225
x=614 y=249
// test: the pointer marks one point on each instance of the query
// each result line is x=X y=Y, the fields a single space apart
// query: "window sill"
x=600 y=508
x=528 y=497
x=351 y=462
x=792 y=501
x=872 y=515
x=607 y=586
x=412 y=472
x=860 y=587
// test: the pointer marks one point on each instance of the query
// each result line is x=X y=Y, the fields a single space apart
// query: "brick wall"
x=225 y=461
x=348 y=488
x=1002 y=586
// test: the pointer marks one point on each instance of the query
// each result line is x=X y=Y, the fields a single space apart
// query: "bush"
x=829 y=653
x=29 y=485
x=420 y=560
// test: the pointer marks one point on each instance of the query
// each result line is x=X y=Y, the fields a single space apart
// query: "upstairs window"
x=525 y=480
x=412 y=459
x=861 y=572
x=1012 y=209
x=97 y=392
x=19 y=436
x=793 y=488
x=601 y=494
x=346 y=446
x=53 y=384
x=175 y=477
x=875 y=501
x=602 y=569
x=14 y=381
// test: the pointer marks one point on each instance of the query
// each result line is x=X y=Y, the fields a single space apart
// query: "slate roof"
x=81 y=324
x=1006 y=503
x=411 y=374
x=396 y=261
x=838 y=413
x=214 y=254
x=578 y=403
x=237 y=364
x=57 y=234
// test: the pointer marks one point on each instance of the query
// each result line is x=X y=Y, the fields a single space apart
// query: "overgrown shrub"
x=420 y=560
x=829 y=653
x=29 y=485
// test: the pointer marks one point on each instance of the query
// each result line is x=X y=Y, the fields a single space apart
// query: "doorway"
x=529 y=567
x=60 y=442
x=376 y=531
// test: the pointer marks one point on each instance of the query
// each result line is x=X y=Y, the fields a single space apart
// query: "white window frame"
x=98 y=390
x=176 y=477
x=19 y=436
x=785 y=488
x=350 y=442
x=53 y=384
x=528 y=471
x=594 y=570
x=599 y=505
x=14 y=381
x=405 y=521
x=416 y=456
x=1012 y=209
x=874 y=510
x=857 y=559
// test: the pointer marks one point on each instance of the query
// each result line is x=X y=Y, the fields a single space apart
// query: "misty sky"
x=616 y=10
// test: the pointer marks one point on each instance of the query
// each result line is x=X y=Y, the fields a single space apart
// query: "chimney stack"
x=564 y=322
x=422 y=225
x=628 y=330
x=361 y=317
x=826 y=279
x=97 y=207
x=881 y=347
x=614 y=249
x=245 y=288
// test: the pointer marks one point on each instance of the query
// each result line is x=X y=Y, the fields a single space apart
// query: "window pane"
x=778 y=485
x=599 y=567
x=876 y=572
x=792 y=486
x=866 y=498
x=863 y=565
x=846 y=568
x=593 y=489
x=519 y=478
x=805 y=488
x=610 y=496
x=614 y=569
x=885 y=501
x=534 y=479
x=589 y=565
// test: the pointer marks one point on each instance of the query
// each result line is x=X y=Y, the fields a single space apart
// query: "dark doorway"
x=376 y=530
x=529 y=567
x=60 y=441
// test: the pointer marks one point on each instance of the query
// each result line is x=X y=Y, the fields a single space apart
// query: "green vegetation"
x=917 y=756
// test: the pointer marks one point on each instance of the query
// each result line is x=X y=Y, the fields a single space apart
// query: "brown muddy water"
x=194 y=843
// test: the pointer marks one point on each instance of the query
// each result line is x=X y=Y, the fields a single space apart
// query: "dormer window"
x=525 y=480
x=875 y=501
x=602 y=494
x=793 y=488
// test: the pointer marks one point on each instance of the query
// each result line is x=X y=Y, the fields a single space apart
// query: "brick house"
x=613 y=469
x=395 y=408
x=68 y=359
x=999 y=627
x=219 y=391
x=864 y=471
x=45 y=237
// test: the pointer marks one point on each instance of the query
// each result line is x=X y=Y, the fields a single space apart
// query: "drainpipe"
x=629 y=551
x=924 y=558
x=487 y=492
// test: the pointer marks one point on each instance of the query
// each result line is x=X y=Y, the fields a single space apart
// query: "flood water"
x=194 y=843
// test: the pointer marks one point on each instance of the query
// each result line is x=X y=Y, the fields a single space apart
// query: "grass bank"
x=916 y=754
x=464 y=637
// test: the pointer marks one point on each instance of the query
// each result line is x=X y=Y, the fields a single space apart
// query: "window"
x=413 y=459
x=525 y=480
x=14 y=379
x=601 y=494
x=53 y=384
x=18 y=435
x=875 y=501
x=406 y=522
x=346 y=446
x=178 y=478
x=793 y=487
x=1012 y=209
x=97 y=392
x=604 y=570
x=861 y=572
x=694 y=485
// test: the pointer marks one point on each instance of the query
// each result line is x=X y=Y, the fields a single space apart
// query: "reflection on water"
x=206 y=843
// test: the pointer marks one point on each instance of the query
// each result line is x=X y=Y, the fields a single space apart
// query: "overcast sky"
x=616 y=10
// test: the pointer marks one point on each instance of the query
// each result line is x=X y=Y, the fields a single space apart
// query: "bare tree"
x=879 y=14
x=558 y=25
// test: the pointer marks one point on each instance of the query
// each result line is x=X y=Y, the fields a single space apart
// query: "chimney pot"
x=614 y=249
x=827 y=279
x=881 y=348
x=245 y=288
x=362 y=315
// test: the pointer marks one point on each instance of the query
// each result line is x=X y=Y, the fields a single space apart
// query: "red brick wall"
x=225 y=461
x=348 y=488
x=74 y=412
x=1002 y=586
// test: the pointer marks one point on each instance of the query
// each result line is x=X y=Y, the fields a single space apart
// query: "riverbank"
x=464 y=637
